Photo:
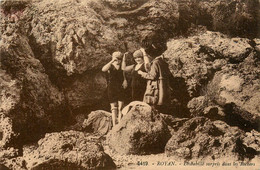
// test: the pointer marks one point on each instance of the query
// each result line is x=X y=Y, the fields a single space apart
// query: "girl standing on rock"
x=158 y=77
x=138 y=84
x=116 y=85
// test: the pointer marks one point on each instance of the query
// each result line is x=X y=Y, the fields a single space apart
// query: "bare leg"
x=120 y=106
x=114 y=112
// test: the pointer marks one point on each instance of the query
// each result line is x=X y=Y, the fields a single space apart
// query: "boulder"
x=10 y=159
x=237 y=91
x=196 y=136
x=202 y=106
x=197 y=105
x=252 y=139
x=197 y=58
x=98 y=122
x=173 y=123
x=29 y=103
x=68 y=149
x=141 y=131
x=224 y=70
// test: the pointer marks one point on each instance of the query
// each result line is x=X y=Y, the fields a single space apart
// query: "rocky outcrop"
x=30 y=104
x=221 y=75
x=10 y=159
x=252 y=140
x=141 y=131
x=70 y=149
x=199 y=106
x=196 y=136
x=197 y=58
x=74 y=39
x=52 y=52
x=233 y=17
x=51 y=55
x=98 y=122
x=237 y=90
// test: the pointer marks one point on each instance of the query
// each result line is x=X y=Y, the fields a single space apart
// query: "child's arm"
x=152 y=74
x=108 y=65
x=124 y=67
x=125 y=81
x=147 y=61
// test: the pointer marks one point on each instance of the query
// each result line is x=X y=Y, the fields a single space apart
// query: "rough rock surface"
x=197 y=135
x=52 y=52
x=237 y=91
x=74 y=39
x=197 y=58
x=220 y=72
x=67 y=149
x=98 y=122
x=28 y=99
x=199 y=106
x=233 y=17
x=141 y=131
x=252 y=139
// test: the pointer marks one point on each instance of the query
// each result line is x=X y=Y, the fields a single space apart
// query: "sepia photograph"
x=129 y=84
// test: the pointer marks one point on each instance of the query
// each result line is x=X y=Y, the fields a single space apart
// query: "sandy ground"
x=161 y=161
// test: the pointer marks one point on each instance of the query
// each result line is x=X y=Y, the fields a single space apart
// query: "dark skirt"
x=115 y=94
x=115 y=81
x=138 y=85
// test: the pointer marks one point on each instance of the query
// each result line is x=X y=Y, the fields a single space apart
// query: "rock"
x=6 y=130
x=92 y=85
x=67 y=149
x=252 y=140
x=141 y=131
x=98 y=122
x=8 y=153
x=196 y=136
x=52 y=52
x=9 y=158
x=197 y=58
x=73 y=48
x=222 y=69
x=3 y=167
x=214 y=113
x=257 y=44
x=197 y=105
x=229 y=17
x=173 y=123
x=29 y=103
x=237 y=91
x=203 y=106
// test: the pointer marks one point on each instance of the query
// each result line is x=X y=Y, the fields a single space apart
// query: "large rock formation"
x=61 y=150
x=141 y=131
x=70 y=149
x=223 y=71
x=74 y=39
x=233 y=17
x=59 y=47
x=200 y=138
x=29 y=102
x=52 y=53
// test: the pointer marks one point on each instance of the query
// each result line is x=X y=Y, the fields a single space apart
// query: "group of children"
x=117 y=82
x=150 y=68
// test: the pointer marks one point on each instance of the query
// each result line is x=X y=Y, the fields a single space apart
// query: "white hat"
x=117 y=54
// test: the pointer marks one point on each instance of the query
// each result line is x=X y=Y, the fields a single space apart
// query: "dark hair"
x=155 y=43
